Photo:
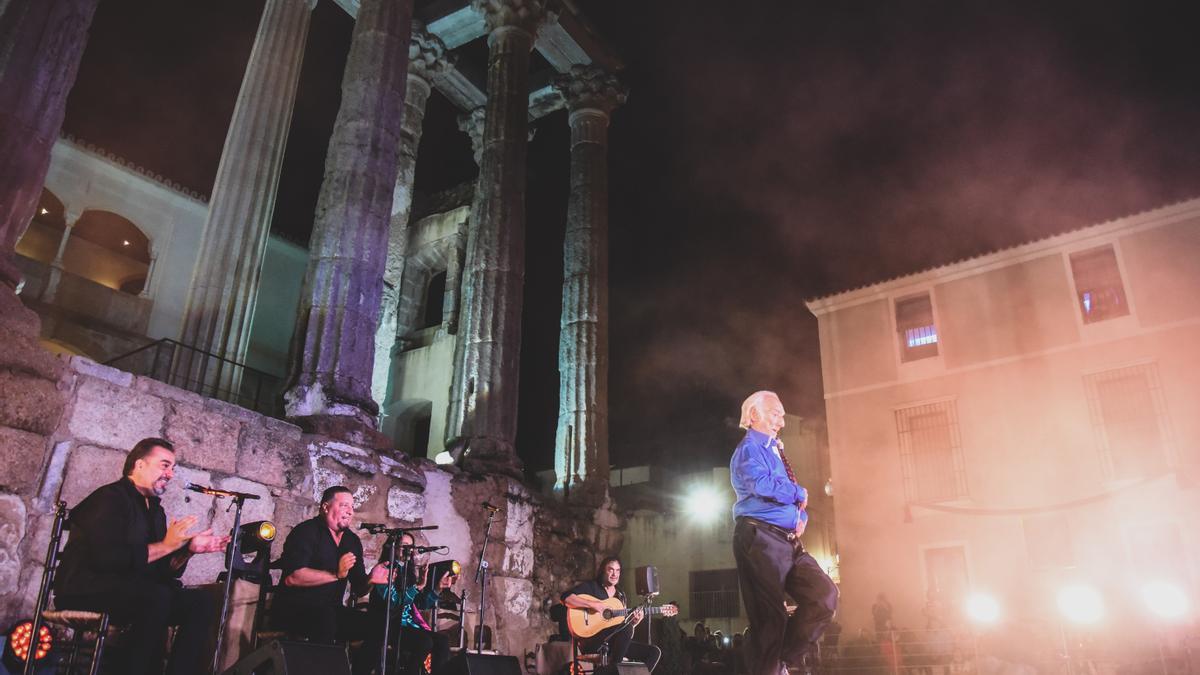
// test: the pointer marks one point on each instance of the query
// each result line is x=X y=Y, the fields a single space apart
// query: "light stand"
x=481 y=577
x=239 y=501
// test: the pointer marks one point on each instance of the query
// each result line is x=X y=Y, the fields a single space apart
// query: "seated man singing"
x=320 y=556
x=122 y=557
x=590 y=596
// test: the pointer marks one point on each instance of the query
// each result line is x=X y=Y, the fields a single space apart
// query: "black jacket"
x=107 y=548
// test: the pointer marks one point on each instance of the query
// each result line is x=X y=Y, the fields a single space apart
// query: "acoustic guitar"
x=584 y=623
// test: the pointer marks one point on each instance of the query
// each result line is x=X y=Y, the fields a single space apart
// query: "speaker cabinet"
x=482 y=664
x=646 y=580
x=293 y=658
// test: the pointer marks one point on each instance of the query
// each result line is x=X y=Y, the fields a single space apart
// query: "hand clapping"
x=207 y=542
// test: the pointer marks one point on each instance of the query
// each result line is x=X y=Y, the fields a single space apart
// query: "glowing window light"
x=983 y=608
x=921 y=336
x=1166 y=600
x=1081 y=604
x=45 y=211
x=1087 y=302
x=703 y=504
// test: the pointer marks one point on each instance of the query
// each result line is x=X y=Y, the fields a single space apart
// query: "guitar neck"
x=631 y=610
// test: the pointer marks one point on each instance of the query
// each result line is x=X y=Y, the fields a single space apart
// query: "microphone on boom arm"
x=492 y=509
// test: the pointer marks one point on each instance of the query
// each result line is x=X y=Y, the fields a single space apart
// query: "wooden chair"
x=78 y=621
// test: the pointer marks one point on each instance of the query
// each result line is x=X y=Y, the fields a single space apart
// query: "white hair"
x=755 y=402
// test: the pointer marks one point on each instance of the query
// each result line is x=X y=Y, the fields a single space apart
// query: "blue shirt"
x=761 y=483
x=420 y=598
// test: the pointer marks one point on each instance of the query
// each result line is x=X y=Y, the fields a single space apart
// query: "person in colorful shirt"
x=410 y=632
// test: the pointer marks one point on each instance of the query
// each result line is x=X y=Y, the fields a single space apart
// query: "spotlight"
x=1166 y=600
x=437 y=569
x=21 y=642
x=1081 y=604
x=703 y=503
x=983 y=608
x=252 y=560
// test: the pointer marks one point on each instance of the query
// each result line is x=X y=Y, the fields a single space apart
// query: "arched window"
x=109 y=250
x=435 y=297
x=40 y=241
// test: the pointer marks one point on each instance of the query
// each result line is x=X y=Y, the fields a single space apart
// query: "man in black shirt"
x=319 y=557
x=618 y=638
x=122 y=557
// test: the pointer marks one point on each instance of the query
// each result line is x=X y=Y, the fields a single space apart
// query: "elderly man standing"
x=122 y=557
x=769 y=516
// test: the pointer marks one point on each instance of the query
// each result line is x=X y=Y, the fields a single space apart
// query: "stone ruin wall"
x=538 y=547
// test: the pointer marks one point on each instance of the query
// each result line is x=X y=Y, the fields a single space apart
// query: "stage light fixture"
x=1081 y=604
x=703 y=503
x=252 y=560
x=1168 y=601
x=983 y=608
x=21 y=643
x=437 y=569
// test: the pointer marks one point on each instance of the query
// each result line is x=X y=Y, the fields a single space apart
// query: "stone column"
x=487 y=373
x=581 y=463
x=330 y=390
x=220 y=306
x=41 y=42
x=426 y=59
x=72 y=219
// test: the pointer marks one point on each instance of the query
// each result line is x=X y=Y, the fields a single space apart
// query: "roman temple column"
x=220 y=306
x=581 y=463
x=485 y=418
x=427 y=58
x=330 y=389
x=41 y=43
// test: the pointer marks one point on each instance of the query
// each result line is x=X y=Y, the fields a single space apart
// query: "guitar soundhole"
x=608 y=614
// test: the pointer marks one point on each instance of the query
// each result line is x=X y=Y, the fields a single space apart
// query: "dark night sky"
x=767 y=154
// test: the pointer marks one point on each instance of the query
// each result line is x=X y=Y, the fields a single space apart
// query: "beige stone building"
x=1020 y=421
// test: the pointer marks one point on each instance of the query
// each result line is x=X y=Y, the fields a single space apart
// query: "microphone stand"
x=393 y=539
x=239 y=500
x=481 y=579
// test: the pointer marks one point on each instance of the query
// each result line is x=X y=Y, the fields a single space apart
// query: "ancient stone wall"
x=537 y=549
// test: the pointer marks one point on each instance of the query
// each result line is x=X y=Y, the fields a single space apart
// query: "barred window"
x=1129 y=416
x=1048 y=541
x=931 y=452
x=714 y=593
x=915 y=328
x=1098 y=286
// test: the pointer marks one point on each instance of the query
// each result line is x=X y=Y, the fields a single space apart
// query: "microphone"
x=424 y=549
x=205 y=490
x=372 y=527
x=491 y=508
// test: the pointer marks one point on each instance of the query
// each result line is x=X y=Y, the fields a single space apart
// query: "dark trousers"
x=326 y=624
x=620 y=646
x=417 y=643
x=148 y=608
x=768 y=566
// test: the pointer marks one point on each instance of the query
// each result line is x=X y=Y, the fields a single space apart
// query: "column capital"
x=588 y=87
x=525 y=15
x=427 y=54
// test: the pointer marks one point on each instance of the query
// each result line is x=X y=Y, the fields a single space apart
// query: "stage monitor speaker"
x=482 y=664
x=293 y=658
x=624 y=668
x=646 y=580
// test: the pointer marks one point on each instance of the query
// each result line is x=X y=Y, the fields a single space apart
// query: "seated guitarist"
x=589 y=596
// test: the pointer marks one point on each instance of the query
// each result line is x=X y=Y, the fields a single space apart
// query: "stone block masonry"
x=537 y=549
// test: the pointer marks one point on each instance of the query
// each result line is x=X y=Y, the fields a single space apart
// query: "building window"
x=916 y=329
x=931 y=453
x=1129 y=416
x=1098 y=286
x=946 y=578
x=420 y=426
x=714 y=593
x=1048 y=541
x=435 y=297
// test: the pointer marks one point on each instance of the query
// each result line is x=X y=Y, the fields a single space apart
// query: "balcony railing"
x=206 y=374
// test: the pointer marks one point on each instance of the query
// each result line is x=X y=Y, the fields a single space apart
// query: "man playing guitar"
x=590 y=596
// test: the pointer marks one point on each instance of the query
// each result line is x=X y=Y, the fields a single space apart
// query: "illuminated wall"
x=1050 y=439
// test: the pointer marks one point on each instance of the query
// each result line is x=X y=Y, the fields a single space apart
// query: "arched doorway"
x=42 y=237
x=110 y=250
